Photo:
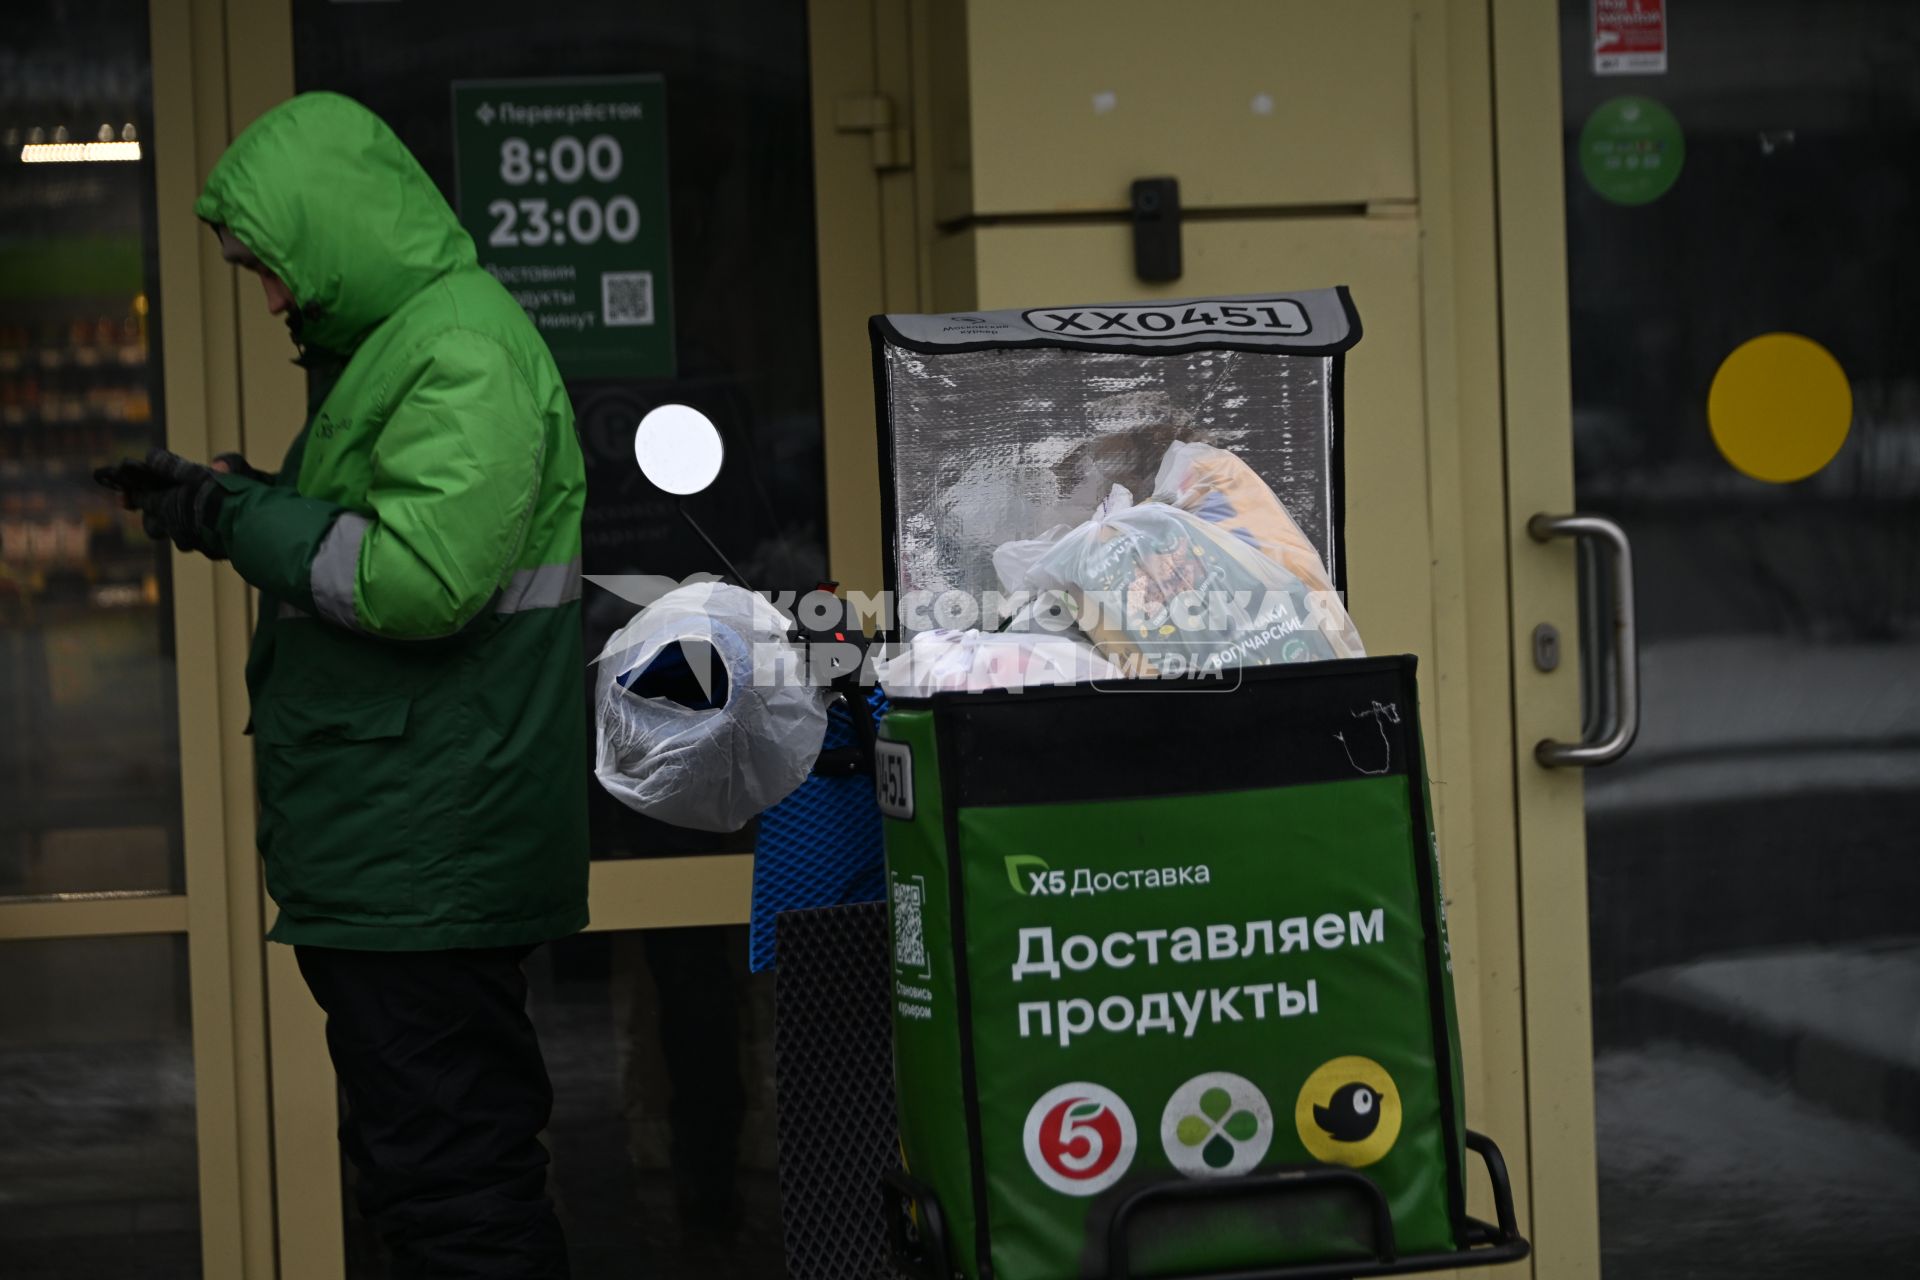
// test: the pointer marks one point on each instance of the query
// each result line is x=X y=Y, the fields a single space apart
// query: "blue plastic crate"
x=821 y=846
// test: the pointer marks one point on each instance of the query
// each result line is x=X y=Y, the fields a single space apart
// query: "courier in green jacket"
x=418 y=714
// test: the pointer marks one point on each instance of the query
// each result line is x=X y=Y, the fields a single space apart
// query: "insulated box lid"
x=996 y=425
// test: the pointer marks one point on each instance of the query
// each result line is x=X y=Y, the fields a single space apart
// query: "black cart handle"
x=1285 y=1182
x=1483 y=1146
x=918 y=1238
x=1486 y=1244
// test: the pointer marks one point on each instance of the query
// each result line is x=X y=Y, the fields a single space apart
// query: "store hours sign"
x=562 y=183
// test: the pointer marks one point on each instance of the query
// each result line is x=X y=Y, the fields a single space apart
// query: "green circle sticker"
x=1631 y=150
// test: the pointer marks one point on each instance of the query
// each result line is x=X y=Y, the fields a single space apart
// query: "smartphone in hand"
x=132 y=479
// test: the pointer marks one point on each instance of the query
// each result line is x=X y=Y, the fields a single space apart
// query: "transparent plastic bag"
x=1162 y=590
x=945 y=659
x=703 y=716
x=1013 y=562
x=1030 y=607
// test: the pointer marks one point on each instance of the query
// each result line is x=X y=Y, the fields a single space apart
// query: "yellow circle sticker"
x=1780 y=407
x=1348 y=1112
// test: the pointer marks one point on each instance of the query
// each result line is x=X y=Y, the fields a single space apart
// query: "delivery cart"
x=1171 y=993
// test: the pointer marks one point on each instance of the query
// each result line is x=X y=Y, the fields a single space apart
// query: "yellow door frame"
x=218 y=914
x=1549 y=805
x=1498 y=447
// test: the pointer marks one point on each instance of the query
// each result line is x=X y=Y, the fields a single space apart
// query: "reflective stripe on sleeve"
x=335 y=567
x=337 y=564
x=547 y=587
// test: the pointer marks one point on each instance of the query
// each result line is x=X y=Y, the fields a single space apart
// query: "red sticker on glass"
x=1630 y=37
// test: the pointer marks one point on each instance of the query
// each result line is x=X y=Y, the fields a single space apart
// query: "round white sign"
x=678 y=449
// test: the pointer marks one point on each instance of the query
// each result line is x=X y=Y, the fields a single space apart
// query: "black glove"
x=239 y=466
x=129 y=479
x=187 y=509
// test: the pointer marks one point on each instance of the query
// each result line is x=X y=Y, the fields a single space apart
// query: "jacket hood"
x=336 y=206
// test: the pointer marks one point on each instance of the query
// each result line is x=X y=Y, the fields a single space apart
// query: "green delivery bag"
x=1171 y=992
x=1146 y=936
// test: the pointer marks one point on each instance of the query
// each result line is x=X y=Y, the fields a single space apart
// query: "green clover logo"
x=1217 y=1129
x=1216 y=1125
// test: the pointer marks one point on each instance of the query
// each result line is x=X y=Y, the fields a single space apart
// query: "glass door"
x=648 y=181
x=1742 y=269
x=89 y=755
x=101 y=1159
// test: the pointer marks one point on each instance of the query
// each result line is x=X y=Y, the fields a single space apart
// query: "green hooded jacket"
x=418 y=710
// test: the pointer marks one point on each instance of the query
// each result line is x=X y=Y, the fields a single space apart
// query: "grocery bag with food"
x=1218 y=486
x=1211 y=573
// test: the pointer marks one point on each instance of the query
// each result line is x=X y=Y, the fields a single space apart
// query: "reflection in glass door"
x=89 y=755
x=99 y=1163
x=738 y=289
x=1746 y=384
x=658 y=1041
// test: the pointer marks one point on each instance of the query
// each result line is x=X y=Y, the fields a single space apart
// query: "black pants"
x=446 y=1096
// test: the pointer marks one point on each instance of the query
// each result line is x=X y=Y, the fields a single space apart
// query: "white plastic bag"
x=1029 y=606
x=945 y=659
x=703 y=717
x=1013 y=561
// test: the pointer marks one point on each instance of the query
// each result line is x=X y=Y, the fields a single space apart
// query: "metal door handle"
x=1624 y=715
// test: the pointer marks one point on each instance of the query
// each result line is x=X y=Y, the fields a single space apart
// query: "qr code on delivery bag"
x=626 y=298
x=909 y=938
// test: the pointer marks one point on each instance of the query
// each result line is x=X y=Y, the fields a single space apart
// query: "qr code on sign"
x=626 y=298
x=909 y=939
